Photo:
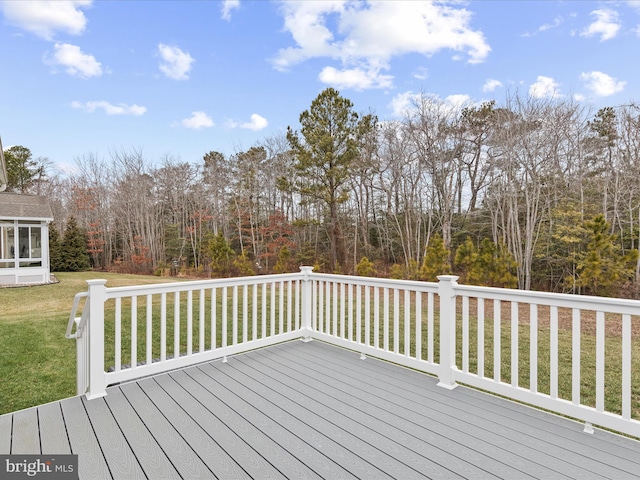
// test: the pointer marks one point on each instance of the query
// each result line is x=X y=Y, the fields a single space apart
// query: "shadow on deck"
x=310 y=410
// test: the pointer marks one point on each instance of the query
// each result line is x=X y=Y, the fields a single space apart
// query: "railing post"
x=95 y=329
x=306 y=294
x=447 y=330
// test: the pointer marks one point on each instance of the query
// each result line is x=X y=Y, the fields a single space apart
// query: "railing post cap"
x=306 y=270
x=98 y=281
x=448 y=278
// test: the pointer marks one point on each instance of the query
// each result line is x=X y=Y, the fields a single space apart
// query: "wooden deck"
x=310 y=410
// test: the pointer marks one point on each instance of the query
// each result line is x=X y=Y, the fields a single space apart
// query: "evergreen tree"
x=283 y=263
x=243 y=265
x=333 y=137
x=221 y=255
x=365 y=268
x=603 y=267
x=465 y=259
x=490 y=265
x=74 y=249
x=55 y=249
x=22 y=170
x=493 y=266
x=436 y=260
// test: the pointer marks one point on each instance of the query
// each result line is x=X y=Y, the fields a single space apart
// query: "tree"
x=74 y=256
x=493 y=266
x=22 y=170
x=603 y=267
x=365 y=268
x=465 y=259
x=55 y=249
x=436 y=260
x=221 y=255
x=333 y=136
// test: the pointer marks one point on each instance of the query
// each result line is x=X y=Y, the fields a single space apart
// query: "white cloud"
x=256 y=123
x=355 y=78
x=198 y=120
x=175 y=64
x=602 y=84
x=491 y=84
x=227 y=7
x=45 y=17
x=421 y=73
x=456 y=102
x=606 y=25
x=405 y=103
x=74 y=61
x=548 y=26
x=409 y=27
x=109 y=109
x=544 y=87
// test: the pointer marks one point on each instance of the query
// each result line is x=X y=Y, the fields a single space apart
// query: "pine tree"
x=55 y=249
x=243 y=265
x=603 y=267
x=74 y=256
x=493 y=266
x=221 y=255
x=283 y=263
x=326 y=152
x=465 y=259
x=365 y=268
x=490 y=265
x=436 y=260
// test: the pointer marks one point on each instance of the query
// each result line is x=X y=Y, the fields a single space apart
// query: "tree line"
x=529 y=193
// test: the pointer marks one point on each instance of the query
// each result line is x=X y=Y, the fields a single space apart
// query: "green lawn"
x=37 y=362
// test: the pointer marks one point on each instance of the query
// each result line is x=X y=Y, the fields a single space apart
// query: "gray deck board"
x=290 y=465
x=53 y=435
x=284 y=466
x=6 y=422
x=175 y=447
x=399 y=422
x=152 y=458
x=82 y=438
x=361 y=444
x=26 y=436
x=401 y=451
x=122 y=462
x=533 y=429
x=311 y=410
x=323 y=454
x=277 y=425
x=531 y=440
x=231 y=440
x=211 y=453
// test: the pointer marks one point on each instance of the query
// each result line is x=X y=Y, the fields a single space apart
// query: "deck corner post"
x=306 y=293
x=95 y=330
x=447 y=294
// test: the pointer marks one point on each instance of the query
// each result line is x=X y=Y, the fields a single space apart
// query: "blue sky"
x=182 y=78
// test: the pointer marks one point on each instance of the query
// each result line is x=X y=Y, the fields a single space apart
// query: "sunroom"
x=24 y=239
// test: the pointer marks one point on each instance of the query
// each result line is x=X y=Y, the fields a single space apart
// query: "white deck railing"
x=574 y=355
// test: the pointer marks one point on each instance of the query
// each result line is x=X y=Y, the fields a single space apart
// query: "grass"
x=37 y=362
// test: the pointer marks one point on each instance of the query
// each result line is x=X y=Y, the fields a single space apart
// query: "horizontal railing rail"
x=575 y=355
